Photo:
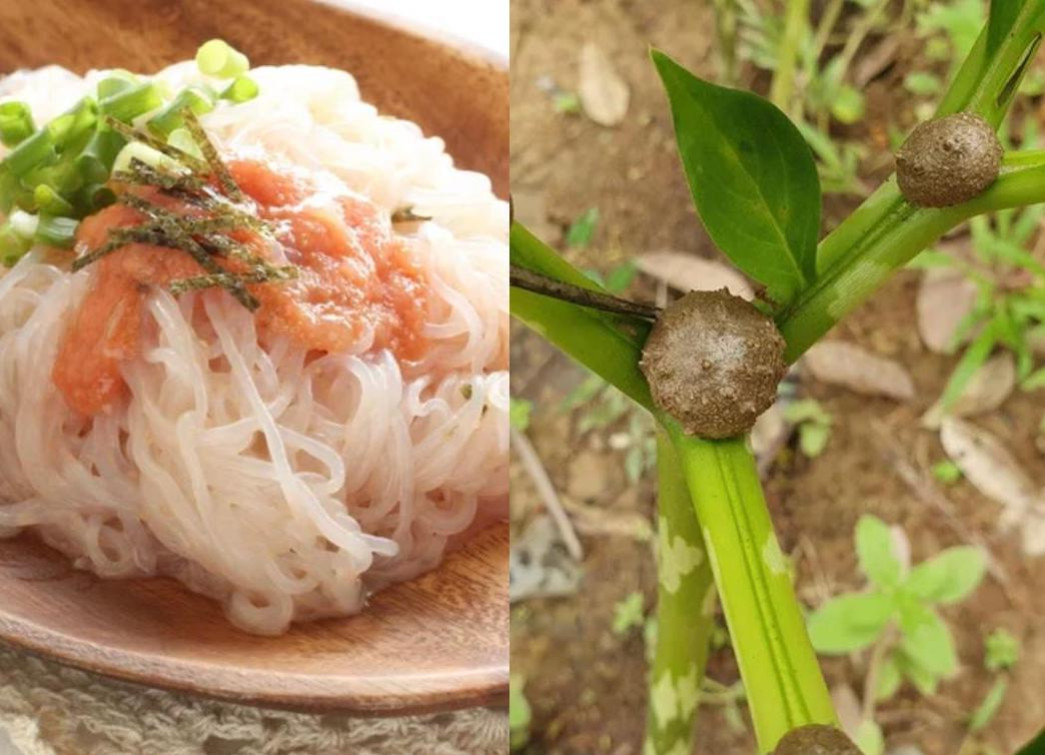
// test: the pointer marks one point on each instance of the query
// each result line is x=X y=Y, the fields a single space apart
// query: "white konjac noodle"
x=285 y=485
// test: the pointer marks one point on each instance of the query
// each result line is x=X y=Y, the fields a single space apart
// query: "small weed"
x=628 y=613
x=582 y=229
x=520 y=714
x=814 y=425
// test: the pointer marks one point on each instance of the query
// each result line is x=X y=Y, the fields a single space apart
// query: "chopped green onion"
x=97 y=196
x=24 y=224
x=172 y=116
x=148 y=155
x=13 y=245
x=36 y=151
x=242 y=89
x=112 y=85
x=181 y=138
x=129 y=103
x=57 y=231
x=50 y=201
x=96 y=161
x=16 y=123
x=219 y=59
x=72 y=129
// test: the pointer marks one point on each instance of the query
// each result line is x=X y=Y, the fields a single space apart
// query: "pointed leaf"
x=949 y=576
x=752 y=176
x=849 y=622
x=874 y=549
x=889 y=678
x=927 y=642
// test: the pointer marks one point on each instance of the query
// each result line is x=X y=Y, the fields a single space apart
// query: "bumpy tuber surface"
x=948 y=160
x=713 y=363
x=816 y=739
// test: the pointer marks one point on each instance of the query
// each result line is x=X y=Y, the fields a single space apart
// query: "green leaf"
x=874 y=549
x=869 y=738
x=806 y=410
x=947 y=472
x=889 y=678
x=988 y=709
x=927 y=641
x=519 y=712
x=922 y=84
x=752 y=177
x=1001 y=650
x=949 y=576
x=583 y=228
x=848 y=105
x=519 y=413
x=974 y=357
x=923 y=681
x=812 y=438
x=849 y=622
x=620 y=277
x=1002 y=16
x=566 y=102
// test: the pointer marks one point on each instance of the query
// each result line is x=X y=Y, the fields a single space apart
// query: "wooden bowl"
x=437 y=643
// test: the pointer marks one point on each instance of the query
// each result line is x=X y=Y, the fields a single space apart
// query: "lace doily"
x=49 y=709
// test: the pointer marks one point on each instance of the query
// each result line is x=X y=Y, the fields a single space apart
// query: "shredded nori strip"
x=221 y=171
x=145 y=175
x=201 y=237
x=128 y=132
x=120 y=237
x=171 y=225
x=225 y=280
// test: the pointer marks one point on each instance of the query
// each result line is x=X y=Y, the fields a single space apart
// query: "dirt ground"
x=586 y=684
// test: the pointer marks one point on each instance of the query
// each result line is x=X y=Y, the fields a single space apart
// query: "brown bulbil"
x=713 y=363
x=816 y=739
x=948 y=160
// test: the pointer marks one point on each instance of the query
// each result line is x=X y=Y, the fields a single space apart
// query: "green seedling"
x=519 y=411
x=1001 y=651
x=813 y=423
x=898 y=609
x=520 y=715
x=582 y=229
x=756 y=188
x=947 y=472
x=628 y=614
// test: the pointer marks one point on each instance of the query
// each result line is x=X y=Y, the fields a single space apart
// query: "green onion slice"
x=16 y=123
x=172 y=116
x=219 y=59
x=55 y=230
x=242 y=89
x=129 y=103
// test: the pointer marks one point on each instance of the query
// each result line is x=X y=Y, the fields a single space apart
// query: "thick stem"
x=685 y=613
x=785 y=687
x=886 y=233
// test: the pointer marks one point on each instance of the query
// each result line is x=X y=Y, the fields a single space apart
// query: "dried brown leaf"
x=945 y=297
x=986 y=391
x=992 y=469
x=687 y=272
x=604 y=94
x=857 y=369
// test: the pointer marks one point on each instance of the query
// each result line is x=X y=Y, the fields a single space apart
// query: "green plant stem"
x=608 y=345
x=781 y=91
x=885 y=233
x=685 y=616
x=726 y=33
x=785 y=687
x=861 y=29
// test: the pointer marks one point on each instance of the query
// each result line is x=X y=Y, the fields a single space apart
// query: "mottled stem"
x=685 y=616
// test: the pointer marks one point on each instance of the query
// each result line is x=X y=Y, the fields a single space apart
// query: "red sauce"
x=355 y=276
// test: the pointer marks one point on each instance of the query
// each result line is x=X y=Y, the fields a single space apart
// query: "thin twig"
x=545 y=286
x=546 y=491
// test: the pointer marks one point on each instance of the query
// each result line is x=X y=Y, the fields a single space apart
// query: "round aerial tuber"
x=816 y=739
x=948 y=160
x=713 y=362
